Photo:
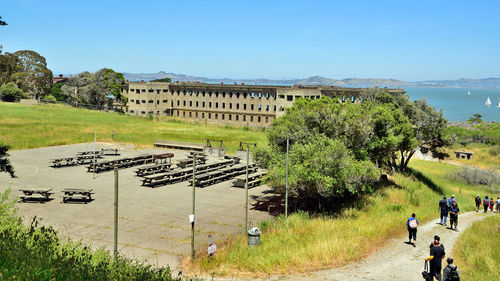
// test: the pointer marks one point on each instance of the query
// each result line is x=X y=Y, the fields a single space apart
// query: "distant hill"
x=492 y=83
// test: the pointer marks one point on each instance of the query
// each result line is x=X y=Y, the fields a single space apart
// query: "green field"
x=23 y=127
x=321 y=242
x=476 y=253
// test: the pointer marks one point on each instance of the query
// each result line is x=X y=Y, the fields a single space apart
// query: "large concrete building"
x=238 y=104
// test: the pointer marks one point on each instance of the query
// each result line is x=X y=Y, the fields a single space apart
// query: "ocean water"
x=457 y=105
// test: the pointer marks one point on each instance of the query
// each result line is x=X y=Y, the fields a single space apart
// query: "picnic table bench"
x=73 y=161
x=84 y=195
x=223 y=174
x=254 y=179
x=43 y=194
x=121 y=163
x=153 y=169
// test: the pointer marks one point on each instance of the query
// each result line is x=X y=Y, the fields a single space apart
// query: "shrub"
x=494 y=151
x=50 y=98
x=9 y=92
x=476 y=176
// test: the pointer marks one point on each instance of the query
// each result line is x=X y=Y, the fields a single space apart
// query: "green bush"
x=9 y=92
x=50 y=98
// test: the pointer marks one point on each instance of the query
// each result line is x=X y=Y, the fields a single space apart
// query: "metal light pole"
x=286 y=177
x=194 y=209
x=116 y=213
x=246 y=191
x=95 y=140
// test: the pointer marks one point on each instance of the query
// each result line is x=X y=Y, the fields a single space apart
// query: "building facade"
x=238 y=104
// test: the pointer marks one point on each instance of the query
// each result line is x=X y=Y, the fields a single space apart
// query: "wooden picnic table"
x=84 y=195
x=29 y=194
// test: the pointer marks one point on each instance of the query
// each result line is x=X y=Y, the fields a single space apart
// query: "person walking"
x=492 y=204
x=443 y=209
x=486 y=203
x=498 y=204
x=450 y=272
x=436 y=255
x=411 y=225
x=450 y=200
x=478 y=202
x=454 y=211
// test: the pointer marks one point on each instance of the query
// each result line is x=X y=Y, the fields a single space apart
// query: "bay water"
x=457 y=105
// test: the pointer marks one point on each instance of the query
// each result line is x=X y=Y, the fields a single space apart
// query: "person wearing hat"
x=478 y=202
x=436 y=255
x=443 y=209
x=450 y=201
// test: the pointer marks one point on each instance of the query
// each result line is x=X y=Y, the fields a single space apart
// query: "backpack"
x=453 y=275
x=413 y=223
x=486 y=202
x=492 y=203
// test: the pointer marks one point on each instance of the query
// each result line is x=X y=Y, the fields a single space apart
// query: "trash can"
x=254 y=237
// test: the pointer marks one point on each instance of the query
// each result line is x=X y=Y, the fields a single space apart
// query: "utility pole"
x=116 y=213
x=246 y=191
x=194 y=209
x=286 y=177
x=95 y=140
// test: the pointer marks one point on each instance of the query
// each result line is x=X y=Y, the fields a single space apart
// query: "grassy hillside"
x=476 y=254
x=24 y=127
x=320 y=242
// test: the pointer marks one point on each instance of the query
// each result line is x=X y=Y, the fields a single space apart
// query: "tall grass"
x=23 y=126
x=476 y=253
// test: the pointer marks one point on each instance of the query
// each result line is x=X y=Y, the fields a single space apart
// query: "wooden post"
x=194 y=209
x=286 y=177
x=246 y=192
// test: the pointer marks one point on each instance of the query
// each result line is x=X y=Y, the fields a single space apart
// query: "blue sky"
x=407 y=40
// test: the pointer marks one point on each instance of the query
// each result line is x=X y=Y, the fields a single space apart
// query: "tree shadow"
x=425 y=179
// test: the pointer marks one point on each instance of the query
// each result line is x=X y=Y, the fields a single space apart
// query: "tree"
x=10 y=93
x=476 y=119
x=2 y=23
x=32 y=75
x=8 y=66
x=56 y=92
x=166 y=79
x=5 y=165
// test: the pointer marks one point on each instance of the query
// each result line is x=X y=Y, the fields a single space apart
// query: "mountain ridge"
x=488 y=83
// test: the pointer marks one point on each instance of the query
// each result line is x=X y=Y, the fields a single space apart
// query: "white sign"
x=211 y=249
x=191 y=218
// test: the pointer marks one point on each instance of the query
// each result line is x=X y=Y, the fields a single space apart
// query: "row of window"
x=252 y=95
x=215 y=116
x=259 y=107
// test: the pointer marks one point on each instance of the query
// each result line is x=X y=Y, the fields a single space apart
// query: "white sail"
x=468 y=93
x=488 y=102
x=498 y=105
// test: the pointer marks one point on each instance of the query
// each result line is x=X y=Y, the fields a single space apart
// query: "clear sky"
x=407 y=40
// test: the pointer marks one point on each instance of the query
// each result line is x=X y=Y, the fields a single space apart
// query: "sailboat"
x=468 y=93
x=498 y=105
x=488 y=102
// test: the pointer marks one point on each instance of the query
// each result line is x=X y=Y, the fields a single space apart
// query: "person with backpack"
x=478 y=202
x=498 y=204
x=454 y=210
x=492 y=204
x=450 y=272
x=411 y=225
x=435 y=258
x=486 y=203
x=450 y=200
x=443 y=209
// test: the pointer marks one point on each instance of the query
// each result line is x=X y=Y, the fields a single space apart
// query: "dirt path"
x=398 y=260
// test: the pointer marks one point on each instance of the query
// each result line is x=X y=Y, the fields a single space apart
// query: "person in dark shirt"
x=443 y=209
x=411 y=225
x=437 y=252
x=454 y=211
x=478 y=202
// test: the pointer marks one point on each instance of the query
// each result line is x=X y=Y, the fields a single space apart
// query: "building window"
x=165 y=90
x=251 y=107
x=267 y=107
x=210 y=116
x=244 y=118
x=196 y=114
x=178 y=103
x=289 y=98
x=151 y=91
x=230 y=105
x=131 y=90
x=251 y=118
x=190 y=103
x=132 y=101
x=258 y=119
x=216 y=105
x=203 y=115
x=184 y=114
x=244 y=106
x=189 y=113
x=260 y=107
x=229 y=116
x=143 y=112
x=267 y=96
x=210 y=104
x=252 y=95
x=223 y=105
x=143 y=101
x=184 y=103
x=274 y=108
x=131 y=111
x=164 y=101
x=143 y=90
x=222 y=117
x=177 y=113
x=260 y=95
x=158 y=91
x=203 y=104
x=216 y=115
x=196 y=104
x=157 y=101
x=237 y=106
x=137 y=91
x=267 y=119
x=137 y=101
x=281 y=96
x=236 y=117
x=150 y=101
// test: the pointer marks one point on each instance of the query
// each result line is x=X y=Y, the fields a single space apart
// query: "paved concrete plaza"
x=153 y=222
